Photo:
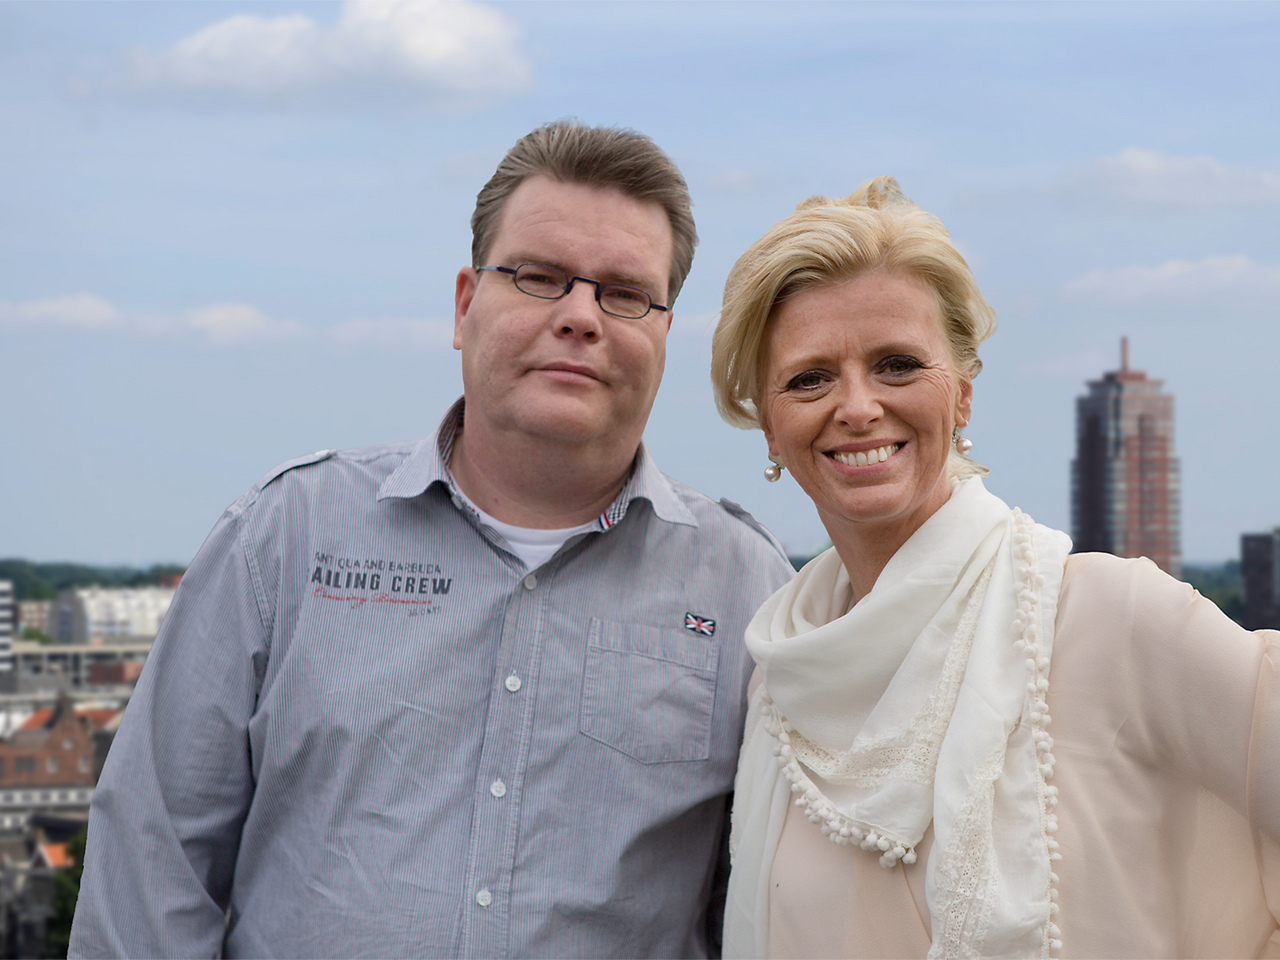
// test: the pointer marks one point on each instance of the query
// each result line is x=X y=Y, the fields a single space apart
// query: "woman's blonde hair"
x=828 y=241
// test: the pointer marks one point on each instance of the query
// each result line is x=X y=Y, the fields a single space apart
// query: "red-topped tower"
x=1125 y=481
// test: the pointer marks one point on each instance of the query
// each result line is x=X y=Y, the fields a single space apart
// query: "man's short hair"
x=573 y=152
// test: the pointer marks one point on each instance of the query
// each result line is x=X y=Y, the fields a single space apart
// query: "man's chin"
x=561 y=422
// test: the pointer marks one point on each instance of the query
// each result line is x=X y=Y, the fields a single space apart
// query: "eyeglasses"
x=550 y=283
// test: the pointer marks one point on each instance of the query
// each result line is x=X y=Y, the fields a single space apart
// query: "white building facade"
x=95 y=616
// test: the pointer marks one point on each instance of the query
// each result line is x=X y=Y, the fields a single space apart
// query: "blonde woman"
x=963 y=741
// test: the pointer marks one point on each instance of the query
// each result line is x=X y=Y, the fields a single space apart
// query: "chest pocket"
x=649 y=692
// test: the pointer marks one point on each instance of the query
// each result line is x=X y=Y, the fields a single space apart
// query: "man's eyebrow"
x=630 y=281
x=626 y=279
x=515 y=259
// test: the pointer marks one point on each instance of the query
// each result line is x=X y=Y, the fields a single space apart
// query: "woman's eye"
x=900 y=366
x=809 y=380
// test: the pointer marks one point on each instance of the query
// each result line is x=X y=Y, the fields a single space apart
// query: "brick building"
x=1125 y=480
x=47 y=764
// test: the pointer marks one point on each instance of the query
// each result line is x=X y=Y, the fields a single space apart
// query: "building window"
x=84 y=765
x=68 y=743
x=1 y=768
x=51 y=764
x=24 y=765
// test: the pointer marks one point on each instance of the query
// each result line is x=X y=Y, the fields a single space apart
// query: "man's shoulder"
x=725 y=520
x=330 y=468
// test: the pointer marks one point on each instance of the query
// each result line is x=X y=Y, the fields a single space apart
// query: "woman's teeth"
x=864 y=457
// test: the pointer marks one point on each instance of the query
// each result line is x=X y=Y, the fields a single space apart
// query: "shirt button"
x=484 y=897
x=513 y=683
x=498 y=789
x=530 y=582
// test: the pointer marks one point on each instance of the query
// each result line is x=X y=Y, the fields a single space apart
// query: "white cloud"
x=1151 y=178
x=226 y=325
x=393 y=334
x=77 y=312
x=450 y=48
x=1214 y=282
x=237 y=324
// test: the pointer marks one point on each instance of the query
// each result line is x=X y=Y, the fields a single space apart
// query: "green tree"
x=1221 y=583
x=42 y=581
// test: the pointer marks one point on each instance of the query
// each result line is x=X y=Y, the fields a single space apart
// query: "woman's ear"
x=964 y=402
x=768 y=436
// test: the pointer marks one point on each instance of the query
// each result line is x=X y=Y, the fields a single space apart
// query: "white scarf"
x=924 y=702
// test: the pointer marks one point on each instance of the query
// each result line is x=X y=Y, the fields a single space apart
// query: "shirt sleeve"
x=166 y=818
x=1263 y=797
x=1183 y=694
x=1211 y=707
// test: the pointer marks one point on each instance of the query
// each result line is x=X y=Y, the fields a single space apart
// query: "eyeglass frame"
x=600 y=286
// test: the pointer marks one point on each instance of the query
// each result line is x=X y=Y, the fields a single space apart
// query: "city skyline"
x=216 y=259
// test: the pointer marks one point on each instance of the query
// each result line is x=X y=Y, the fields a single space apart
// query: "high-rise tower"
x=1260 y=578
x=1125 y=481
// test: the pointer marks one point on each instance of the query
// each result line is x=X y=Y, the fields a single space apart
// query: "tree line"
x=42 y=581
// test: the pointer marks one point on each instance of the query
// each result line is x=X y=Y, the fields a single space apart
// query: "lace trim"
x=1029 y=628
x=967 y=874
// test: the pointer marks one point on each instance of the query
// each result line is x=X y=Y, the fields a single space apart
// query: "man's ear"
x=463 y=292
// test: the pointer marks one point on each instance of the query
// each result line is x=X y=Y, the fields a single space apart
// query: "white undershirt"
x=534 y=547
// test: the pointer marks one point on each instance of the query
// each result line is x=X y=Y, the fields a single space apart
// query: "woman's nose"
x=857 y=403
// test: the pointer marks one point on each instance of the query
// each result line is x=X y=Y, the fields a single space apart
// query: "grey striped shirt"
x=367 y=730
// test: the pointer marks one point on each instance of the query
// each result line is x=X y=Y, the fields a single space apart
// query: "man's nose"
x=578 y=313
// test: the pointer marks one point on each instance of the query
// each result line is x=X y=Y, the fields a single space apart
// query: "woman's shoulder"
x=1131 y=603
x=1107 y=582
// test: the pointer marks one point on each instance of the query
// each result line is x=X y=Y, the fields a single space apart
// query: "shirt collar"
x=429 y=463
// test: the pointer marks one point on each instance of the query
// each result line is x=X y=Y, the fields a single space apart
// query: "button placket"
x=506 y=731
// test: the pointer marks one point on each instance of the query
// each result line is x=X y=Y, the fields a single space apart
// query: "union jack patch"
x=699 y=624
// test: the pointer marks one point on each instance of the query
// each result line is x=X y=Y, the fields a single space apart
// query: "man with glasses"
x=476 y=696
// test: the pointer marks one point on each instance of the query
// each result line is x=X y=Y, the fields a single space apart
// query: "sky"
x=229 y=231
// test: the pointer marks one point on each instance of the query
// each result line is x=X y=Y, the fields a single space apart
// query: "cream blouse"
x=1166 y=727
